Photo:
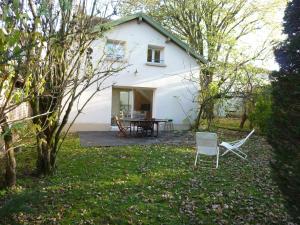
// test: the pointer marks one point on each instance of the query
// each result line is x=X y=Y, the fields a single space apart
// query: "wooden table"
x=152 y=122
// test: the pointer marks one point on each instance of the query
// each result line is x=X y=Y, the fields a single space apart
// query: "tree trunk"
x=46 y=157
x=209 y=113
x=203 y=110
x=10 y=169
x=198 y=119
x=243 y=119
x=206 y=78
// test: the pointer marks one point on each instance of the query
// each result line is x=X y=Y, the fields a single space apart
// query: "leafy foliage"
x=284 y=132
x=260 y=115
x=15 y=80
x=136 y=6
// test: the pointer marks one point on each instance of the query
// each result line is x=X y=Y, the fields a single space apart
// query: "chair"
x=144 y=127
x=169 y=125
x=235 y=145
x=122 y=129
x=207 y=145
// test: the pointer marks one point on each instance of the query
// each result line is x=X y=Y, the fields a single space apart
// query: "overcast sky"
x=273 y=32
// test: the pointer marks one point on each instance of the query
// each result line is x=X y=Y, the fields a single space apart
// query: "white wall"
x=169 y=81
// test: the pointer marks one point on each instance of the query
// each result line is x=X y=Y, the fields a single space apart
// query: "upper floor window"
x=155 y=54
x=115 y=49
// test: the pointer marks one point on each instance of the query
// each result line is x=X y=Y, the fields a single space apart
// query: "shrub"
x=284 y=130
x=260 y=115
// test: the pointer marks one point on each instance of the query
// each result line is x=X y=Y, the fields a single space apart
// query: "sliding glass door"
x=126 y=103
x=131 y=103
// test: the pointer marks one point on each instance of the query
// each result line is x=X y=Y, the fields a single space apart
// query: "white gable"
x=137 y=37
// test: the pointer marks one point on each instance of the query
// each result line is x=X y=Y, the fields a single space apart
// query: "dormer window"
x=155 y=55
x=115 y=50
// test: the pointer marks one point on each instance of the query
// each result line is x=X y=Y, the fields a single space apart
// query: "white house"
x=156 y=82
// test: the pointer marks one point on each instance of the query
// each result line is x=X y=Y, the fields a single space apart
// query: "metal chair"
x=207 y=144
x=169 y=126
x=234 y=146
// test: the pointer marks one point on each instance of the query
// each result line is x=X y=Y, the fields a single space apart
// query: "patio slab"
x=110 y=138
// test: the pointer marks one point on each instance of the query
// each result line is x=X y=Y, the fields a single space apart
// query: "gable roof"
x=160 y=29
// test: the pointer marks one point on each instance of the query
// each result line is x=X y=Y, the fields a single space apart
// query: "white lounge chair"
x=207 y=144
x=234 y=146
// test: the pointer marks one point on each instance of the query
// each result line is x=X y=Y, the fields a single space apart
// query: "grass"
x=228 y=123
x=231 y=123
x=145 y=185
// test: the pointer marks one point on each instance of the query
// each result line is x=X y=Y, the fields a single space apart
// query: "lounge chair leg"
x=239 y=155
x=217 y=165
x=196 y=159
x=244 y=155
x=225 y=152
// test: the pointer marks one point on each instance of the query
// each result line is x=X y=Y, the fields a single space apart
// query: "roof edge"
x=160 y=29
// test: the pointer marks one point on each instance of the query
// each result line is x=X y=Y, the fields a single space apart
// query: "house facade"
x=156 y=82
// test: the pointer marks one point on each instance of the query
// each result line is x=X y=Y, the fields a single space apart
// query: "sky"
x=273 y=32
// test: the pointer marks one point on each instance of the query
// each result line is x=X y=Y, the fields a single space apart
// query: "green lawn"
x=231 y=123
x=145 y=185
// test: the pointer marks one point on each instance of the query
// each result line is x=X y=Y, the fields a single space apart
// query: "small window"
x=149 y=56
x=115 y=50
x=154 y=55
x=157 y=56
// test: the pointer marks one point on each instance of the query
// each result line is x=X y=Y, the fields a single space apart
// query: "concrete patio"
x=110 y=138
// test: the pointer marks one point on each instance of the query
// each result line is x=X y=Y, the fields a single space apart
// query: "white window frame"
x=154 y=48
x=114 y=56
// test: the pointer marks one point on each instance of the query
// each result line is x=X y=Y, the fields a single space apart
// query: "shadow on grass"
x=144 y=185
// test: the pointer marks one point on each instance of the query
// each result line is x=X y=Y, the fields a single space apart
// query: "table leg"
x=133 y=124
x=152 y=129
x=156 y=123
x=130 y=128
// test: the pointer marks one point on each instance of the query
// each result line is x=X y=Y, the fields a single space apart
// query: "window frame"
x=116 y=43
x=154 y=49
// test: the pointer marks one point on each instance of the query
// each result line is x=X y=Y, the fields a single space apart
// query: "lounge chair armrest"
x=226 y=145
x=233 y=142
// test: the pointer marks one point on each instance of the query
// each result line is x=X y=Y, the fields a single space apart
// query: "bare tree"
x=245 y=89
x=67 y=69
x=253 y=80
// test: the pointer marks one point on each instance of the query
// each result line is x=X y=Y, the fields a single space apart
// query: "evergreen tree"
x=284 y=131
